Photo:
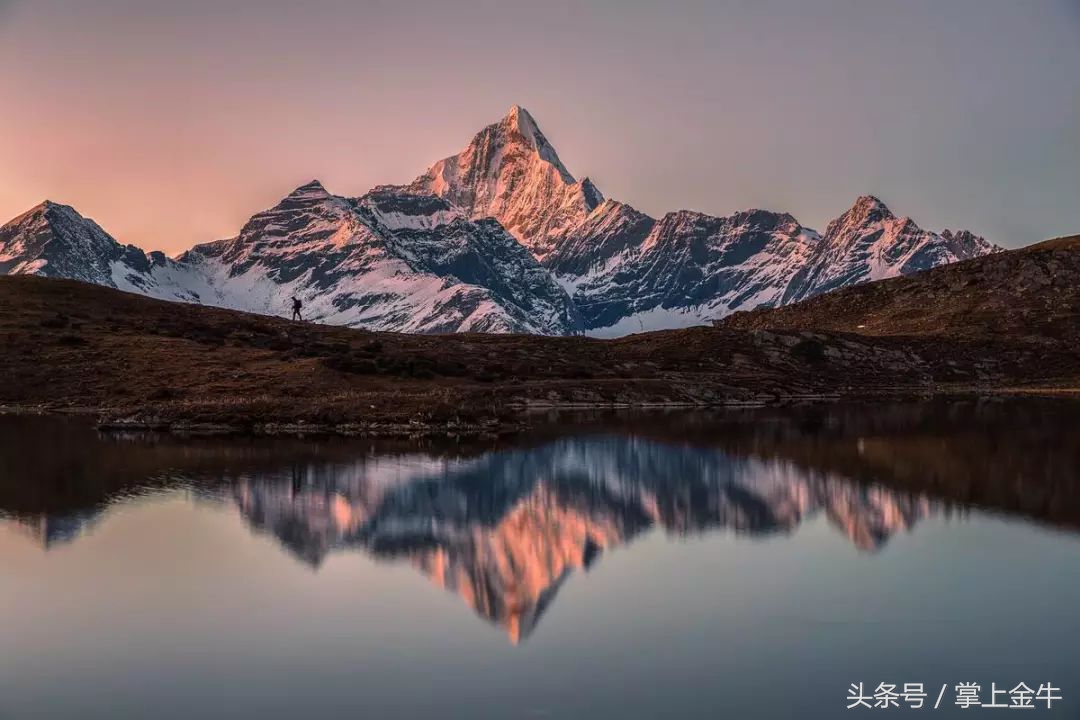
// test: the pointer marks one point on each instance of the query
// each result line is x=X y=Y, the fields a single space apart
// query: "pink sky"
x=171 y=123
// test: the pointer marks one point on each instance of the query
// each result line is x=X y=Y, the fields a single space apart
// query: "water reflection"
x=504 y=525
x=50 y=530
x=504 y=530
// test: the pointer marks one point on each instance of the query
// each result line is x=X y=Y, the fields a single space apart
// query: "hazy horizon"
x=170 y=125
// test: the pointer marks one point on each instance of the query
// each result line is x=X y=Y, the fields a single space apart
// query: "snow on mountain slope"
x=387 y=261
x=512 y=173
x=687 y=269
x=629 y=273
x=601 y=238
x=869 y=243
x=54 y=240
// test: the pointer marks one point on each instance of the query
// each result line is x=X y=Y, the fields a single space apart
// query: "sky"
x=170 y=123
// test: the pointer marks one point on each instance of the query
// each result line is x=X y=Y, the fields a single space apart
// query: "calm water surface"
x=686 y=566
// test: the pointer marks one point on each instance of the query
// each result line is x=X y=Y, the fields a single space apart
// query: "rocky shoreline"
x=511 y=420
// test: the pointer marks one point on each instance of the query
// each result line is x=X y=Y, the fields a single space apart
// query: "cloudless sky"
x=171 y=122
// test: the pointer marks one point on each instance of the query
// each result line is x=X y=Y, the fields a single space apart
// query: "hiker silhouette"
x=296 y=305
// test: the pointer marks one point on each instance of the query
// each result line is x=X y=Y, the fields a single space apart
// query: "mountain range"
x=498 y=238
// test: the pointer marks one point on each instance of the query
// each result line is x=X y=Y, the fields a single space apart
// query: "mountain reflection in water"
x=504 y=525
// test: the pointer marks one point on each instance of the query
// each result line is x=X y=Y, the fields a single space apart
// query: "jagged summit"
x=509 y=171
x=518 y=124
x=54 y=240
x=46 y=206
x=867 y=208
x=520 y=121
x=48 y=226
x=313 y=190
x=517 y=115
x=592 y=194
x=43 y=205
x=869 y=242
x=870 y=202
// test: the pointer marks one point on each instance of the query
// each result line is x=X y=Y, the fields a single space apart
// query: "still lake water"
x=751 y=565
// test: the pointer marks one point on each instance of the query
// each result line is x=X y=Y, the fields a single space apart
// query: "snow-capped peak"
x=869 y=242
x=518 y=123
x=58 y=224
x=511 y=172
x=53 y=208
x=868 y=208
x=54 y=240
x=313 y=190
x=519 y=120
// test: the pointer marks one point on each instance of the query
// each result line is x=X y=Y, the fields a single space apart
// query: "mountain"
x=680 y=270
x=385 y=261
x=512 y=173
x=499 y=238
x=1026 y=296
x=628 y=272
x=54 y=240
x=869 y=243
x=609 y=232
